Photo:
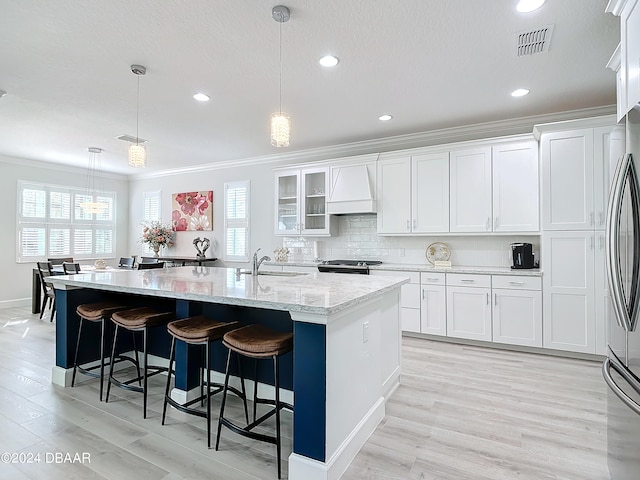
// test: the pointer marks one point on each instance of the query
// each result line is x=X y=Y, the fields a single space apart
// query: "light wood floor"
x=461 y=413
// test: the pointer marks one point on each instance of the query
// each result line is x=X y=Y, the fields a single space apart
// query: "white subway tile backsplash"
x=355 y=237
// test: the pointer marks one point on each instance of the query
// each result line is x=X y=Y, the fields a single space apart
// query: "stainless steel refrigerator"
x=621 y=369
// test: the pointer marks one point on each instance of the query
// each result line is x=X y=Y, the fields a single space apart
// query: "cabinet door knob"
x=408 y=225
x=467 y=280
x=487 y=299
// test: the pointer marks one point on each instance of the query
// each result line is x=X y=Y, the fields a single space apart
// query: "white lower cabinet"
x=569 y=319
x=433 y=304
x=517 y=310
x=469 y=306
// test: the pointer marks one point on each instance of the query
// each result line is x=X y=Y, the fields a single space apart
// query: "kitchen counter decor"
x=438 y=252
x=157 y=235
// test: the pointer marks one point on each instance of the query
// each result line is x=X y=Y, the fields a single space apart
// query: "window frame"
x=234 y=223
x=155 y=195
x=47 y=221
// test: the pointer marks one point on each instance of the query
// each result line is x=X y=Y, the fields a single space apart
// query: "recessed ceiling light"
x=201 y=97
x=329 y=61
x=2 y=93
x=520 y=92
x=526 y=6
x=385 y=118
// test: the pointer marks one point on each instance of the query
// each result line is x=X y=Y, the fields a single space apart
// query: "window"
x=51 y=223
x=151 y=213
x=236 y=221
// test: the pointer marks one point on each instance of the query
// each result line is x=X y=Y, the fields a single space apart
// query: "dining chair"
x=126 y=262
x=148 y=266
x=70 y=268
x=45 y=269
x=60 y=261
x=148 y=260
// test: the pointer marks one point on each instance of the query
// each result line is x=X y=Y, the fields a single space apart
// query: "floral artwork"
x=192 y=211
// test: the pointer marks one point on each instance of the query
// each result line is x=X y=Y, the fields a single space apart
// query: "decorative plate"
x=438 y=252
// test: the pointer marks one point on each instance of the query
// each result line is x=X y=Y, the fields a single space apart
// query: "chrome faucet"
x=255 y=264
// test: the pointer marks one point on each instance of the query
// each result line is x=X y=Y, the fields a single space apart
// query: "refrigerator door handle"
x=625 y=315
x=626 y=399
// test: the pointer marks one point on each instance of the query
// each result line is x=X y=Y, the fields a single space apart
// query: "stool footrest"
x=127 y=385
x=248 y=433
x=90 y=373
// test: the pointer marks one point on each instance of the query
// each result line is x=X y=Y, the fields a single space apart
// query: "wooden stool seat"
x=138 y=318
x=258 y=341
x=97 y=311
x=134 y=320
x=200 y=330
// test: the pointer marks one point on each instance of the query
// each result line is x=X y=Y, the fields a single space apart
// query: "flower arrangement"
x=157 y=235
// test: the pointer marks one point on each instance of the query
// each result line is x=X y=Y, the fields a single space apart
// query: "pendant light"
x=93 y=206
x=280 y=122
x=137 y=152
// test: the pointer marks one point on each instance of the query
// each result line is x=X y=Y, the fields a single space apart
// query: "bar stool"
x=203 y=331
x=137 y=320
x=94 y=312
x=257 y=342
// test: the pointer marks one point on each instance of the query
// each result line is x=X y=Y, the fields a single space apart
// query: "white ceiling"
x=430 y=63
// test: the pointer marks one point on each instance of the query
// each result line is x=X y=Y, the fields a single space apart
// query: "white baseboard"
x=304 y=468
x=15 y=303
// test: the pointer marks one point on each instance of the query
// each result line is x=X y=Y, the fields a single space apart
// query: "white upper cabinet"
x=470 y=196
x=487 y=187
x=567 y=183
x=576 y=176
x=301 y=202
x=630 y=52
x=430 y=193
x=394 y=195
x=515 y=187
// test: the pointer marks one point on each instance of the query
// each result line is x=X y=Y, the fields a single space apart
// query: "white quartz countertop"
x=407 y=267
x=315 y=293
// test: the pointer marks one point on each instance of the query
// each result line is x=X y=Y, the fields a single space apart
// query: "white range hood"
x=352 y=187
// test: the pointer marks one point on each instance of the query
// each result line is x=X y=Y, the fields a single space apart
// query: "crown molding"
x=500 y=128
x=59 y=167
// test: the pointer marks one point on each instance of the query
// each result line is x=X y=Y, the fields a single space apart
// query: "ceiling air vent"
x=131 y=138
x=531 y=42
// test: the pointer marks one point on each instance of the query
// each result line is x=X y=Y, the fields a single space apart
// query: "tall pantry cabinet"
x=577 y=159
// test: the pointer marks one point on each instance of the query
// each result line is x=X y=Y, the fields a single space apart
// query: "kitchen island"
x=346 y=354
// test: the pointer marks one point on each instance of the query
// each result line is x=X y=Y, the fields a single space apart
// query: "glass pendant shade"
x=94 y=207
x=280 y=128
x=137 y=156
x=93 y=185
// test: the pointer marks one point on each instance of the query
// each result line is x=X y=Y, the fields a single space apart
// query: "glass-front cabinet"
x=301 y=202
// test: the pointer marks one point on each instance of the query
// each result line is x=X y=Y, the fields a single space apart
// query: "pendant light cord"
x=280 y=51
x=138 y=110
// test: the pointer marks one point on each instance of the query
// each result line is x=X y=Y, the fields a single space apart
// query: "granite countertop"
x=315 y=293
x=408 y=267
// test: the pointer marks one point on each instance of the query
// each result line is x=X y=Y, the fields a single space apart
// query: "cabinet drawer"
x=468 y=280
x=516 y=282
x=414 y=277
x=428 y=278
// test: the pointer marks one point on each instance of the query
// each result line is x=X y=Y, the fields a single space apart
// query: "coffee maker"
x=522 y=256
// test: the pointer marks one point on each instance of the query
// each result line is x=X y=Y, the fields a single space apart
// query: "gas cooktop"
x=347 y=266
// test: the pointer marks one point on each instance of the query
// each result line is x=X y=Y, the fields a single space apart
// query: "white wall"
x=15 y=281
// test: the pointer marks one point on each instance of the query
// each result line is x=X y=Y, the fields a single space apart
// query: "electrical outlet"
x=365 y=332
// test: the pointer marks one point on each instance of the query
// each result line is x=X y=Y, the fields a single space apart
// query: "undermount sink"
x=275 y=274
